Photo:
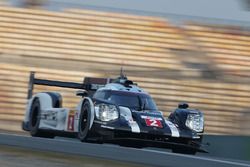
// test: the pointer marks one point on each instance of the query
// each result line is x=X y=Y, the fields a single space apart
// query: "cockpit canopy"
x=132 y=100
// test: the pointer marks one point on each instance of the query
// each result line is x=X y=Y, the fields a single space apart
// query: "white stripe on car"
x=173 y=128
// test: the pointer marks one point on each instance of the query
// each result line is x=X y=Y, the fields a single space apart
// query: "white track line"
x=156 y=151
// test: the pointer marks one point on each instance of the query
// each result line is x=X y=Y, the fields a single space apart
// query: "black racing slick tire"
x=34 y=121
x=84 y=122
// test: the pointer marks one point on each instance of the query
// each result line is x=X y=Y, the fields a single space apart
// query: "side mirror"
x=183 y=105
x=82 y=93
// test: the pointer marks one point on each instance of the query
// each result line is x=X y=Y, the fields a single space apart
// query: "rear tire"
x=34 y=121
x=84 y=122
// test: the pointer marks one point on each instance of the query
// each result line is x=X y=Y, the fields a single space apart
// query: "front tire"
x=34 y=121
x=84 y=122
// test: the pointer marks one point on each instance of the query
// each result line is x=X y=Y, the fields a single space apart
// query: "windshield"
x=136 y=101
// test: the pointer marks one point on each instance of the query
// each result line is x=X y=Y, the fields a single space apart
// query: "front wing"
x=154 y=138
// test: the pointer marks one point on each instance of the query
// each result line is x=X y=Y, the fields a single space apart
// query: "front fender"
x=179 y=117
x=79 y=107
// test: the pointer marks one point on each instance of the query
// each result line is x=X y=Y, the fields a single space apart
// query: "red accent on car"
x=71 y=123
x=153 y=122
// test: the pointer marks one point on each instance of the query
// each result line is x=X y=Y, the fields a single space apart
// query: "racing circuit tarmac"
x=113 y=152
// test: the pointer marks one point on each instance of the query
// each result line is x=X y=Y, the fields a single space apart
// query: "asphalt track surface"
x=139 y=156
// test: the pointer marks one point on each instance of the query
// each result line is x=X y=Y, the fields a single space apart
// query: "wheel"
x=84 y=122
x=34 y=118
x=34 y=121
x=184 y=151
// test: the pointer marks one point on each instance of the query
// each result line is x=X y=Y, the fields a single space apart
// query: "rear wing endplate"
x=89 y=84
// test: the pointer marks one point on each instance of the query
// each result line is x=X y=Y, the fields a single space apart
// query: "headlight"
x=106 y=112
x=195 y=122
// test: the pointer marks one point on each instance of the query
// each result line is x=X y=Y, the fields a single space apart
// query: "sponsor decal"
x=77 y=115
x=196 y=137
x=49 y=115
x=150 y=117
x=159 y=113
x=107 y=127
x=71 y=118
x=152 y=121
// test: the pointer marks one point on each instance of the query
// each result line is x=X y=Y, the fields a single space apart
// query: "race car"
x=112 y=111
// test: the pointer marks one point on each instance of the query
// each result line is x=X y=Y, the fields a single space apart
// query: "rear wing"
x=89 y=84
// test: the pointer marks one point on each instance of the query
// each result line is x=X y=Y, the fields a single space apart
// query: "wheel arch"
x=92 y=114
x=46 y=99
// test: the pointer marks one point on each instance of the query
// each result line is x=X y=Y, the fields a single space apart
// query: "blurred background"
x=196 y=52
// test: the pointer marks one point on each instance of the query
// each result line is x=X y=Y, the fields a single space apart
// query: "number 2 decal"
x=153 y=122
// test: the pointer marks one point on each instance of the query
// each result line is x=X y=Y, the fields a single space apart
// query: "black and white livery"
x=112 y=111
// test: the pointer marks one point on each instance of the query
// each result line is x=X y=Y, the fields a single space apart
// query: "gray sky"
x=221 y=9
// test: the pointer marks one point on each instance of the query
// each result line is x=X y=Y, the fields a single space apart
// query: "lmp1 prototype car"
x=112 y=111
